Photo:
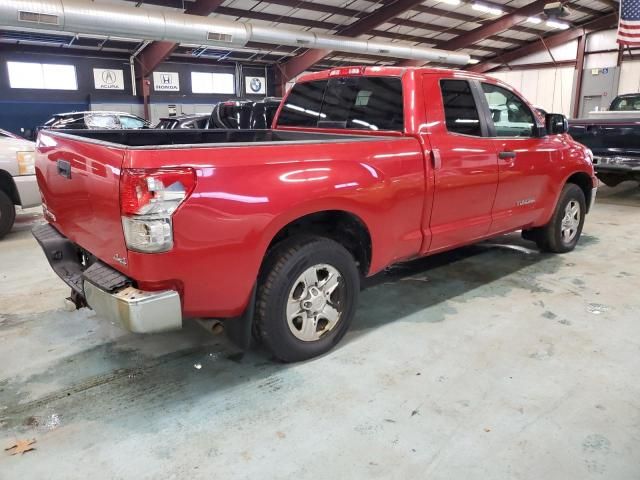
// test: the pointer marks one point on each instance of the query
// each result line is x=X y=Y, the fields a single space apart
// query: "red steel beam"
x=602 y=23
x=302 y=62
x=157 y=52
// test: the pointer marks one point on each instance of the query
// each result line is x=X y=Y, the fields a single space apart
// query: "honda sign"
x=166 y=81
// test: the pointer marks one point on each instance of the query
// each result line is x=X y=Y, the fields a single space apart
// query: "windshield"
x=361 y=103
x=629 y=103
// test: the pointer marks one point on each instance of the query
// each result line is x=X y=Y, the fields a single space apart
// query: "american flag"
x=629 y=26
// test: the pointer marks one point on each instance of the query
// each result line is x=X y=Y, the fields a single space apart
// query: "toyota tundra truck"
x=271 y=231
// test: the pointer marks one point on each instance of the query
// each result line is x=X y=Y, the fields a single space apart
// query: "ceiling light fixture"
x=487 y=9
x=451 y=2
x=534 y=20
x=560 y=25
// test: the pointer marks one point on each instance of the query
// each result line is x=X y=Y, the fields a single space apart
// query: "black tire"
x=7 y=214
x=282 y=268
x=549 y=238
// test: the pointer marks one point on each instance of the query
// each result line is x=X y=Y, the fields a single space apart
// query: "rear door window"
x=460 y=110
x=360 y=103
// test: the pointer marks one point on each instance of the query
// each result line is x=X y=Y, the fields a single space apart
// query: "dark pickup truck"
x=614 y=138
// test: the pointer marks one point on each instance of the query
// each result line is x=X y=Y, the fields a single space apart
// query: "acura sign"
x=166 y=81
x=108 y=79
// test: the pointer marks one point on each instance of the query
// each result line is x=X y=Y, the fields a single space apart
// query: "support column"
x=582 y=43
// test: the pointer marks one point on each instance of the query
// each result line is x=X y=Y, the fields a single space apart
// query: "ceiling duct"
x=96 y=18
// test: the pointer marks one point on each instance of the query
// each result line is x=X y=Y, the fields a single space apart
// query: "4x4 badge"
x=120 y=260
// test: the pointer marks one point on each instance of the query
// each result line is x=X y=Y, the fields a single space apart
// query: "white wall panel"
x=605 y=40
x=549 y=88
x=629 y=77
x=566 y=51
x=600 y=60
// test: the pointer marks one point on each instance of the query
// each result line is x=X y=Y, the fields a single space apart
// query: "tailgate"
x=80 y=184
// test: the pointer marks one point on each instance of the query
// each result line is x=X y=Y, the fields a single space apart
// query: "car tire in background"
x=307 y=296
x=7 y=214
x=563 y=231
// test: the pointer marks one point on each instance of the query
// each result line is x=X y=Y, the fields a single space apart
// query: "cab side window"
x=460 y=111
x=511 y=116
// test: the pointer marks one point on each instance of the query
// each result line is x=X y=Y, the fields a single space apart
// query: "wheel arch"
x=584 y=181
x=342 y=226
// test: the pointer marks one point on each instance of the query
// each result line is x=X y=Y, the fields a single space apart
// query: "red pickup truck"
x=273 y=230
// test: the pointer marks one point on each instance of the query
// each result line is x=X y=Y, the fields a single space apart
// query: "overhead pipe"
x=93 y=18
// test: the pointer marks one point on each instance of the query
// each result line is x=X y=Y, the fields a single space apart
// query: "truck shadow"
x=422 y=290
x=627 y=194
x=126 y=383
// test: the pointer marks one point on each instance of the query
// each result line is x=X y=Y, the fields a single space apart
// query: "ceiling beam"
x=366 y=24
x=602 y=23
x=157 y=52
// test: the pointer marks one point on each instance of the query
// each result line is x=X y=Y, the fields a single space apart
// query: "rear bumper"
x=107 y=291
x=136 y=310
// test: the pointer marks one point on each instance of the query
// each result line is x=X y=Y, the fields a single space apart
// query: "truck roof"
x=381 y=71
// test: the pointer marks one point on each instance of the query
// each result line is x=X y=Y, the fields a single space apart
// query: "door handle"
x=64 y=168
x=436 y=159
x=506 y=154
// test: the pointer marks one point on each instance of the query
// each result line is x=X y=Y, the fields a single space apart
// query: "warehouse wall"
x=552 y=87
x=549 y=88
x=24 y=109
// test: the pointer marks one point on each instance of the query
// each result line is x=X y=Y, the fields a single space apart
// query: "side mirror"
x=556 y=123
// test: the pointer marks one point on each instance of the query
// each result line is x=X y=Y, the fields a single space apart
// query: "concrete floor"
x=492 y=362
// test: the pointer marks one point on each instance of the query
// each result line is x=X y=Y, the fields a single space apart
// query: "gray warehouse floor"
x=492 y=362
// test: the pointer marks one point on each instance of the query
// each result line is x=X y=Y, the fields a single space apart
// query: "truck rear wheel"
x=563 y=231
x=7 y=214
x=307 y=297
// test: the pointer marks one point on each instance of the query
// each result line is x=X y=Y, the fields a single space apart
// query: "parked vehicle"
x=94 y=120
x=18 y=185
x=613 y=136
x=273 y=230
x=183 y=121
x=244 y=114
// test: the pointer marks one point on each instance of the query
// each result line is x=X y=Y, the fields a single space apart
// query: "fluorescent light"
x=473 y=61
x=560 y=25
x=487 y=9
x=534 y=20
x=451 y=2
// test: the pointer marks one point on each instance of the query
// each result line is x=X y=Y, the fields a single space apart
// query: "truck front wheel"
x=563 y=231
x=7 y=214
x=307 y=297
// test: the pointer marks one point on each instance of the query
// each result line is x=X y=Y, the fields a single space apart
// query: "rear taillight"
x=148 y=199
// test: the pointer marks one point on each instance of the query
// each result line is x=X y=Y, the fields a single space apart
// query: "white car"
x=18 y=184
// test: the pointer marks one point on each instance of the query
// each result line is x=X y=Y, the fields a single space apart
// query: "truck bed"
x=152 y=138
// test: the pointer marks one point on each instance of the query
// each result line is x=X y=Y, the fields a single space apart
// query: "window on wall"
x=205 y=82
x=42 y=76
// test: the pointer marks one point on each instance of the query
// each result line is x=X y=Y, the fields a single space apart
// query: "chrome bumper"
x=592 y=201
x=136 y=310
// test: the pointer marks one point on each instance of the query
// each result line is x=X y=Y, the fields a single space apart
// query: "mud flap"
x=240 y=329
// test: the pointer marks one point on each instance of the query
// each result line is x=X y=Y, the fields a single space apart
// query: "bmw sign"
x=255 y=85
